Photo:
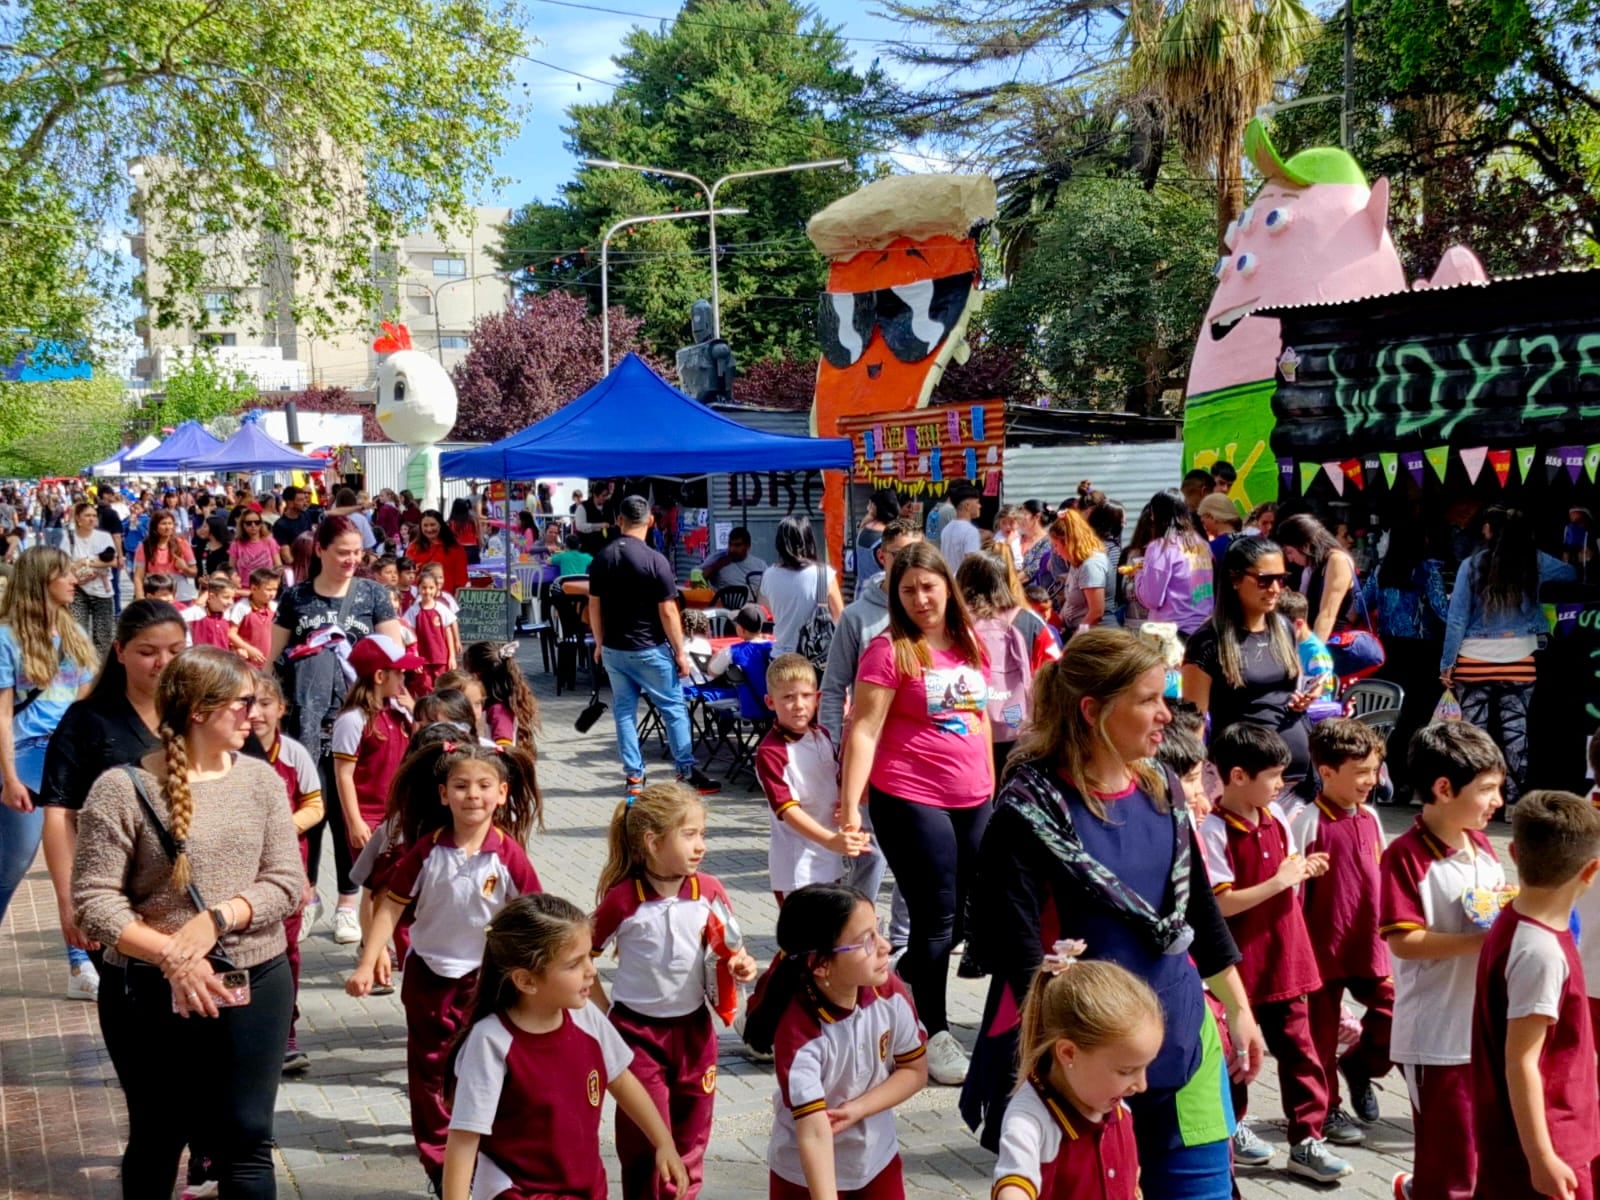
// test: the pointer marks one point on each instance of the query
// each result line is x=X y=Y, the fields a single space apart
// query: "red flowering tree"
x=528 y=361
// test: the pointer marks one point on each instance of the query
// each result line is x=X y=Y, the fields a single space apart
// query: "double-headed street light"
x=711 y=204
x=605 y=263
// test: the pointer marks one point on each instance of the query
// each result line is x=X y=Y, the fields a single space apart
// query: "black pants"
x=210 y=1081
x=1413 y=663
x=933 y=853
x=333 y=822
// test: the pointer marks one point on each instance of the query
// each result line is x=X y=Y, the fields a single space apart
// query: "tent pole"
x=511 y=600
x=849 y=526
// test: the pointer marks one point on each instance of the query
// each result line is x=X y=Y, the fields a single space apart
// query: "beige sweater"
x=241 y=843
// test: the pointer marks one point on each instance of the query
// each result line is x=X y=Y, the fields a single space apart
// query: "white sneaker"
x=947 y=1061
x=83 y=983
x=346 y=926
x=310 y=917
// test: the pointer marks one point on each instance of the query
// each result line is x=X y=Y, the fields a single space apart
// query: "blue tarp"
x=188 y=441
x=634 y=423
x=253 y=449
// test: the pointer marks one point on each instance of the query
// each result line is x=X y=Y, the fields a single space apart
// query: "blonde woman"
x=1085 y=844
x=1081 y=573
x=185 y=869
x=46 y=663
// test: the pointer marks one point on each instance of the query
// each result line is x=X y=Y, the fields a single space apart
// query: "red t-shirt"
x=502 y=723
x=932 y=749
x=1052 y=1151
x=1341 y=907
x=452 y=558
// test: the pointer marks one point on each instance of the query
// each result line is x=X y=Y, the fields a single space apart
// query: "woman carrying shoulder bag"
x=186 y=867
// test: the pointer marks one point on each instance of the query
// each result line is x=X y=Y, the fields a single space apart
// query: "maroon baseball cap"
x=380 y=652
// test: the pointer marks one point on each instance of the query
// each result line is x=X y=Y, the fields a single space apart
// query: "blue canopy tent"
x=635 y=423
x=253 y=449
x=188 y=440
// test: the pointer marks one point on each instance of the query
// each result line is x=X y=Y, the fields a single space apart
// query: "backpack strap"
x=170 y=845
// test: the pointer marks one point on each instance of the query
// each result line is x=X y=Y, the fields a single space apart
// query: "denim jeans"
x=654 y=673
x=19 y=841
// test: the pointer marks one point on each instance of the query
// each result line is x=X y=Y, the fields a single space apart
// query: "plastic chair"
x=1370 y=695
x=1383 y=720
x=735 y=596
x=744 y=721
x=574 y=642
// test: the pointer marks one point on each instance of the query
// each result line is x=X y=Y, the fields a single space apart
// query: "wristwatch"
x=219 y=918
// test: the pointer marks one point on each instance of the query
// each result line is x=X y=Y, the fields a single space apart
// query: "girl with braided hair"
x=185 y=868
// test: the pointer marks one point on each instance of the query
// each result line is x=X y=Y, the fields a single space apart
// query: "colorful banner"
x=1472 y=459
x=1500 y=461
x=1353 y=472
x=1308 y=475
x=1525 y=457
x=1591 y=460
x=1391 y=466
x=1439 y=459
x=1335 y=473
x=1414 y=462
x=917 y=452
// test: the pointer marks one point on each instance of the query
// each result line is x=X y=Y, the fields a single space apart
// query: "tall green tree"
x=202 y=388
x=59 y=427
x=300 y=136
x=731 y=85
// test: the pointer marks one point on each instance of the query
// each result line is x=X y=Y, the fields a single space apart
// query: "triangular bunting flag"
x=1500 y=461
x=1335 y=475
x=1572 y=459
x=1308 y=473
x=1552 y=463
x=1591 y=461
x=1525 y=457
x=1285 y=474
x=1371 y=470
x=1472 y=459
x=1353 y=472
x=1413 y=461
x=1439 y=459
x=1391 y=467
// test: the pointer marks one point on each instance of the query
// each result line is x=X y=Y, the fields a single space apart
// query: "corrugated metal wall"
x=759 y=500
x=384 y=465
x=1129 y=472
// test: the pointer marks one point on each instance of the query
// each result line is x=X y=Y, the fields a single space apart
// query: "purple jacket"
x=1175 y=584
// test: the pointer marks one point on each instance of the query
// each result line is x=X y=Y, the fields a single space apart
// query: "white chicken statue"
x=416 y=406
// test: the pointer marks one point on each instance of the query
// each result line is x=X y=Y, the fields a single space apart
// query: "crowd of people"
x=1162 y=866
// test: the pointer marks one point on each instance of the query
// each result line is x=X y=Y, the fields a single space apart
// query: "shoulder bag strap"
x=169 y=844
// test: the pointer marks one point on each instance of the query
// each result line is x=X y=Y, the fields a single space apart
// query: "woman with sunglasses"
x=1329 y=572
x=1242 y=664
x=253 y=548
x=195 y=927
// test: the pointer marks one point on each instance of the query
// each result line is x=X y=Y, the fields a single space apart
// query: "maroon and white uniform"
x=432 y=627
x=534 y=1098
x=1524 y=969
x=1341 y=911
x=254 y=625
x=377 y=748
x=798 y=771
x=658 y=1004
x=302 y=784
x=826 y=1055
x=207 y=628
x=1427 y=885
x=1053 y=1152
x=1277 y=965
x=451 y=895
x=502 y=723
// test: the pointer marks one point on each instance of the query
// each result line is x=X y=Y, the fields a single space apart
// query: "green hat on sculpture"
x=1321 y=164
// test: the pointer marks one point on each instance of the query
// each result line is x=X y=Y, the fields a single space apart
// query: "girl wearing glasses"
x=178 y=914
x=254 y=548
x=828 y=995
x=1242 y=665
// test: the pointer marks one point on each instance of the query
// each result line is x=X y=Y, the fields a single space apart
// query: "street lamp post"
x=711 y=204
x=605 y=262
x=433 y=301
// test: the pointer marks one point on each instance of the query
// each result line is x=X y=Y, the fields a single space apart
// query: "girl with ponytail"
x=828 y=993
x=509 y=710
x=185 y=870
x=531 y=1069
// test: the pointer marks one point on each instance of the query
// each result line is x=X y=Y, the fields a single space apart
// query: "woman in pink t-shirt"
x=253 y=548
x=163 y=552
x=919 y=752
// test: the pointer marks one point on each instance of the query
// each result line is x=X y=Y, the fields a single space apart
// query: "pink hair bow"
x=1063 y=954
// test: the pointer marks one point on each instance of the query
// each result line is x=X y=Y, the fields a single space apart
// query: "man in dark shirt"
x=298 y=517
x=633 y=611
x=592 y=520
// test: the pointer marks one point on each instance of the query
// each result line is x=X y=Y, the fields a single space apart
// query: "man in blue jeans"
x=633 y=613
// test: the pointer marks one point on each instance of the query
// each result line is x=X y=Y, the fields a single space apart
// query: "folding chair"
x=1370 y=695
x=574 y=642
x=733 y=597
x=742 y=722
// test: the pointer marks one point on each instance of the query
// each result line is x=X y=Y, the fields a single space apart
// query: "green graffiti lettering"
x=1346 y=396
x=1588 y=348
x=1483 y=373
x=1411 y=420
x=1539 y=412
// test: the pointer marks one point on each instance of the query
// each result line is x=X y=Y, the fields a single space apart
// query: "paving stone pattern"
x=343 y=1127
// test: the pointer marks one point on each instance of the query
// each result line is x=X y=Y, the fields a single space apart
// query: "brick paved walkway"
x=343 y=1127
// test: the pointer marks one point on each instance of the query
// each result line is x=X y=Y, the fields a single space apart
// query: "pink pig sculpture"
x=1315 y=232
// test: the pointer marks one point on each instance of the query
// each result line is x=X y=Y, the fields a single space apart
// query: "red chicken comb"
x=395 y=337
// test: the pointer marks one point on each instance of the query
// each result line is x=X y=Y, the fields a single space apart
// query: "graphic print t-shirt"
x=933 y=748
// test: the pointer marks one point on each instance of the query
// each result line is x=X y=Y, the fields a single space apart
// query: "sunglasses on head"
x=1264 y=581
x=913 y=318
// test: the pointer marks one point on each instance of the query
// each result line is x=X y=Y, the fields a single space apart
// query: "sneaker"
x=83 y=983
x=756 y=1056
x=1363 y=1100
x=295 y=1060
x=701 y=782
x=1312 y=1159
x=1249 y=1150
x=947 y=1061
x=635 y=784
x=346 y=926
x=1342 y=1129
x=1402 y=1186
x=203 y=1190
x=310 y=916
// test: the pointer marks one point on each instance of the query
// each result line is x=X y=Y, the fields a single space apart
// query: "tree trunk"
x=1230 y=179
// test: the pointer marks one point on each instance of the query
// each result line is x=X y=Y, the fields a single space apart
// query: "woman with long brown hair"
x=46 y=663
x=1329 y=573
x=1086 y=844
x=185 y=870
x=163 y=552
x=919 y=753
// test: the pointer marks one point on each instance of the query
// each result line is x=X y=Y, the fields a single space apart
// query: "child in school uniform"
x=1442 y=888
x=1341 y=913
x=848 y=1046
x=510 y=712
x=467 y=811
x=438 y=640
x=162 y=587
x=207 y=621
x=535 y=1065
x=1589 y=909
x=656 y=905
x=298 y=770
x=796 y=768
x=1088 y=1031
x=1254 y=868
x=250 y=619
x=1534 y=1081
